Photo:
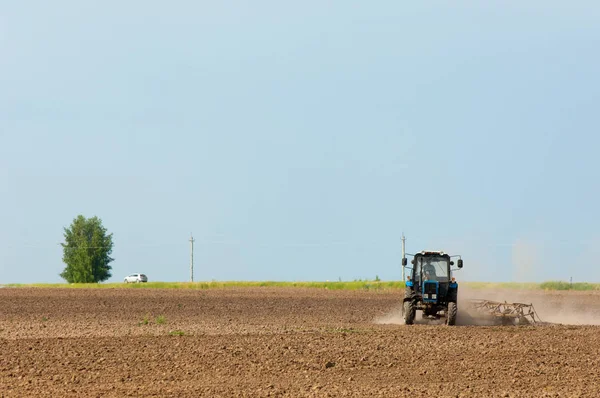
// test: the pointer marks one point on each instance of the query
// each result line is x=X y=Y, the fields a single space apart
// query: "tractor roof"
x=432 y=253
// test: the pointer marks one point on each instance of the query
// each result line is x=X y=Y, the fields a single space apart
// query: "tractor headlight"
x=434 y=296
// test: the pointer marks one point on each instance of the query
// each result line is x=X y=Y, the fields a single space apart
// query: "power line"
x=291 y=244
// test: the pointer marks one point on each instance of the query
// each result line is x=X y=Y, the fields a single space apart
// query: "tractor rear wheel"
x=451 y=314
x=409 y=312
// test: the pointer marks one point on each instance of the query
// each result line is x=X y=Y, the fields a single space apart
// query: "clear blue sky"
x=298 y=140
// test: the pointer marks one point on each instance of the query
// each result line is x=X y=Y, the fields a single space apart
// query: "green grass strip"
x=354 y=285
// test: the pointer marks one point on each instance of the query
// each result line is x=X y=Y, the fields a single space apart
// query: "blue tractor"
x=430 y=287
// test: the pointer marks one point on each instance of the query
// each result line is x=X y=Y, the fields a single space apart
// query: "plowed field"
x=279 y=342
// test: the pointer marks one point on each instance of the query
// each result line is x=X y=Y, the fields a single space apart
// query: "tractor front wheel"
x=451 y=314
x=409 y=312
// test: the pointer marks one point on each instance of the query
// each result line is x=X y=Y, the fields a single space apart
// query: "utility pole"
x=403 y=254
x=192 y=240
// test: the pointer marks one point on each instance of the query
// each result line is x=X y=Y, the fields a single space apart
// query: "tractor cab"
x=431 y=275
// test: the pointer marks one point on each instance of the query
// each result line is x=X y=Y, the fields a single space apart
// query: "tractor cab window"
x=432 y=268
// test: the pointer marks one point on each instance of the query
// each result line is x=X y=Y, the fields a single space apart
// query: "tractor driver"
x=429 y=271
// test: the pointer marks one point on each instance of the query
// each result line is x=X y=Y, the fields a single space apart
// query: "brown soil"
x=259 y=342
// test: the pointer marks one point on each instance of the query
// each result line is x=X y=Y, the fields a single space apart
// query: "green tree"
x=86 y=251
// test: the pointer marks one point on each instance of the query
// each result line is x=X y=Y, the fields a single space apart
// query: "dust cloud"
x=394 y=317
x=525 y=259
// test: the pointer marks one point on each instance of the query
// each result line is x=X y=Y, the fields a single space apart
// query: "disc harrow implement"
x=506 y=313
